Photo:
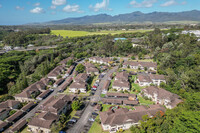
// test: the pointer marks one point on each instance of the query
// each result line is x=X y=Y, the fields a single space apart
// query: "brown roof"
x=9 y=104
x=78 y=85
x=143 y=64
x=157 y=77
x=56 y=71
x=44 y=120
x=27 y=106
x=81 y=77
x=43 y=94
x=121 y=83
x=106 y=85
x=19 y=125
x=27 y=93
x=91 y=69
x=59 y=81
x=87 y=65
x=112 y=100
x=64 y=85
x=130 y=102
x=144 y=78
x=3 y=124
x=122 y=76
x=15 y=116
x=45 y=81
x=63 y=62
x=69 y=70
x=163 y=94
x=120 y=94
x=123 y=116
x=54 y=104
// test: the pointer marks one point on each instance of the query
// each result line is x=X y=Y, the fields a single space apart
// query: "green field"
x=71 y=33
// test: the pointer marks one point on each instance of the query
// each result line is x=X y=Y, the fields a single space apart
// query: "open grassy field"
x=71 y=33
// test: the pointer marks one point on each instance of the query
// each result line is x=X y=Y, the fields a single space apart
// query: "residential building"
x=58 y=82
x=121 y=82
x=82 y=77
x=44 y=94
x=92 y=70
x=42 y=122
x=140 y=65
x=106 y=85
x=3 y=125
x=28 y=107
x=100 y=60
x=64 y=85
x=122 y=118
x=76 y=87
x=57 y=104
x=162 y=96
x=6 y=107
x=120 y=99
x=148 y=79
x=18 y=126
x=15 y=117
x=56 y=72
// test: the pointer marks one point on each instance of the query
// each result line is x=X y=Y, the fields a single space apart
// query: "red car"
x=94 y=86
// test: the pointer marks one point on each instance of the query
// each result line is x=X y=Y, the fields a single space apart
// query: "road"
x=78 y=127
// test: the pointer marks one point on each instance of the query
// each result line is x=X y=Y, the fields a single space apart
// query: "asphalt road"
x=79 y=126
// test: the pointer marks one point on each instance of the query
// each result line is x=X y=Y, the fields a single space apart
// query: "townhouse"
x=79 y=84
x=121 y=82
x=91 y=69
x=144 y=79
x=122 y=118
x=50 y=112
x=120 y=99
x=105 y=61
x=140 y=65
x=6 y=107
x=161 y=96
x=56 y=72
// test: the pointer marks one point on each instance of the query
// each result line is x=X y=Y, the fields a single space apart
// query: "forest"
x=177 y=55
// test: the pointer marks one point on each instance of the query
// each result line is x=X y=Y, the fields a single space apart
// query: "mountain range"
x=153 y=17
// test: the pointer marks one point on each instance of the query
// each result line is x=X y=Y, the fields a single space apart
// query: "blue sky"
x=14 y=12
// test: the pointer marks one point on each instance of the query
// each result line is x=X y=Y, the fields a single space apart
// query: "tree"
x=140 y=55
x=70 y=62
x=80 y=68
x=133 y=57
x=76 y=105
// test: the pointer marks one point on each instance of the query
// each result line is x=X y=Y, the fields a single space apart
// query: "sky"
x=16 y=12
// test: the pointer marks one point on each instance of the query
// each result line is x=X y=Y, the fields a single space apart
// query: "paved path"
x=78 y=127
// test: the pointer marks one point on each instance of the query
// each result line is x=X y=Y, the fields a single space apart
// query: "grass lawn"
x=96 y=128
x=145 y=102
x=105 y=107
x=71 y=33
x=25 y=130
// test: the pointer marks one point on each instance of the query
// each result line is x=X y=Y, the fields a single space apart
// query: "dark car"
x=94 y=113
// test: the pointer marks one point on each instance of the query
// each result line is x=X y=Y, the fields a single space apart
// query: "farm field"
x=71 y=33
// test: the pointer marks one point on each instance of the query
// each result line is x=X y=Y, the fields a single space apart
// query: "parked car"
x=93 y=104
x=91 y=119
x=94 y=86
x=94 y=113
x=73 y=120
x=93 y=89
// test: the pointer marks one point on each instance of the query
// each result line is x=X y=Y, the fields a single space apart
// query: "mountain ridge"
x=193 y=15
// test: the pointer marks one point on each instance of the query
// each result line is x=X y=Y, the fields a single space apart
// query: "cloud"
x=72 y=8
x=0 y=6
x=171 y=3
x=19 y=8
x=53 y=7
x=144 y=3
x=99 y=6
x=58 y=2
x=37 y=10
x=37 y=4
